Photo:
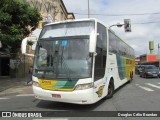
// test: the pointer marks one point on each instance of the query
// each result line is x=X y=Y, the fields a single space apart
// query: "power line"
x=151 y=22
x=134 y=14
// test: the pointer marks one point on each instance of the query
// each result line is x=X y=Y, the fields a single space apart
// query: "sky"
x=144 y=16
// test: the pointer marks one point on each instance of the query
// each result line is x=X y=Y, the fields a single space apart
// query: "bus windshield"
x=63 y=58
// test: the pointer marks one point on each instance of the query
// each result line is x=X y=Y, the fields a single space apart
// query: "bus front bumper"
x=76 y=97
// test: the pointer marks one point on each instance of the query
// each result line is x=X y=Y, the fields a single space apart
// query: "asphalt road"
x=140 y=95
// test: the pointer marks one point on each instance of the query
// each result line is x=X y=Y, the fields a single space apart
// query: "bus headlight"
x=84 y=86
x=36 y=84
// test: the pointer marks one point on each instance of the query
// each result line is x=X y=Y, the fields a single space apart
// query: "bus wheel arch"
x=110 y=88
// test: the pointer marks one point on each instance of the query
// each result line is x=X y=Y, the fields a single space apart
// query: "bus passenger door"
x=99 y=72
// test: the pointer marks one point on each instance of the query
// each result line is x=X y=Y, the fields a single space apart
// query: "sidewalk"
x=14 y=86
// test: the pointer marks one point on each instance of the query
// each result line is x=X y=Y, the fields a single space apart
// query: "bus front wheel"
x=110 y=90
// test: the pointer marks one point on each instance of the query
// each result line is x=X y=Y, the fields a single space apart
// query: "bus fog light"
x=84 y=86
x=36 y=84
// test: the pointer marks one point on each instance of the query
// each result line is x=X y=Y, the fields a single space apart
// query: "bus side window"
x=101 y=48
x=100 y=62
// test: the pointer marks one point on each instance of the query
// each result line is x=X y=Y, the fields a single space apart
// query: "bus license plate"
x=56 y=95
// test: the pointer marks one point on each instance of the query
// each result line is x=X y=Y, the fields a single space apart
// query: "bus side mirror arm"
x=92 y=42
x=92 y=54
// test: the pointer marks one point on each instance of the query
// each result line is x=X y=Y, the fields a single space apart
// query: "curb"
x=9 y=94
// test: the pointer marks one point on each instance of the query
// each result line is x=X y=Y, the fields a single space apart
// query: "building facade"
x=149 y=59
x=54 y=8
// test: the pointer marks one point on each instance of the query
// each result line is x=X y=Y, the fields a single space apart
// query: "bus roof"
x=87 y=19
x=77 y=20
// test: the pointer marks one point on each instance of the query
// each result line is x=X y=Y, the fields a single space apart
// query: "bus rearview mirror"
x=24 y=45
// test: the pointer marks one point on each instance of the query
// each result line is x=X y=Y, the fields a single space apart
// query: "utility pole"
x=159 y=55
x=88 y=10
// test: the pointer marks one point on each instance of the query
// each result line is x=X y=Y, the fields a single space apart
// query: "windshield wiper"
x=45 y=70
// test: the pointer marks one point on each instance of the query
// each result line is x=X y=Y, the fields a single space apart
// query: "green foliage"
x=16 y=21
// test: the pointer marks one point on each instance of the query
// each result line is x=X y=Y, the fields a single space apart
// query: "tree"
x=16 y=21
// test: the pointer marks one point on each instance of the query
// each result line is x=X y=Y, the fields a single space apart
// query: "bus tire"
x=110 y=89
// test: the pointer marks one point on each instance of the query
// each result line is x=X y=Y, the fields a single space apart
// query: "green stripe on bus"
x=59 y=84
x=121 y=67
x=70 y=84
x=65 y=84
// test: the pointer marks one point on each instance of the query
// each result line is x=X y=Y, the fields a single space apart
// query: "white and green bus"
x=81 y=62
